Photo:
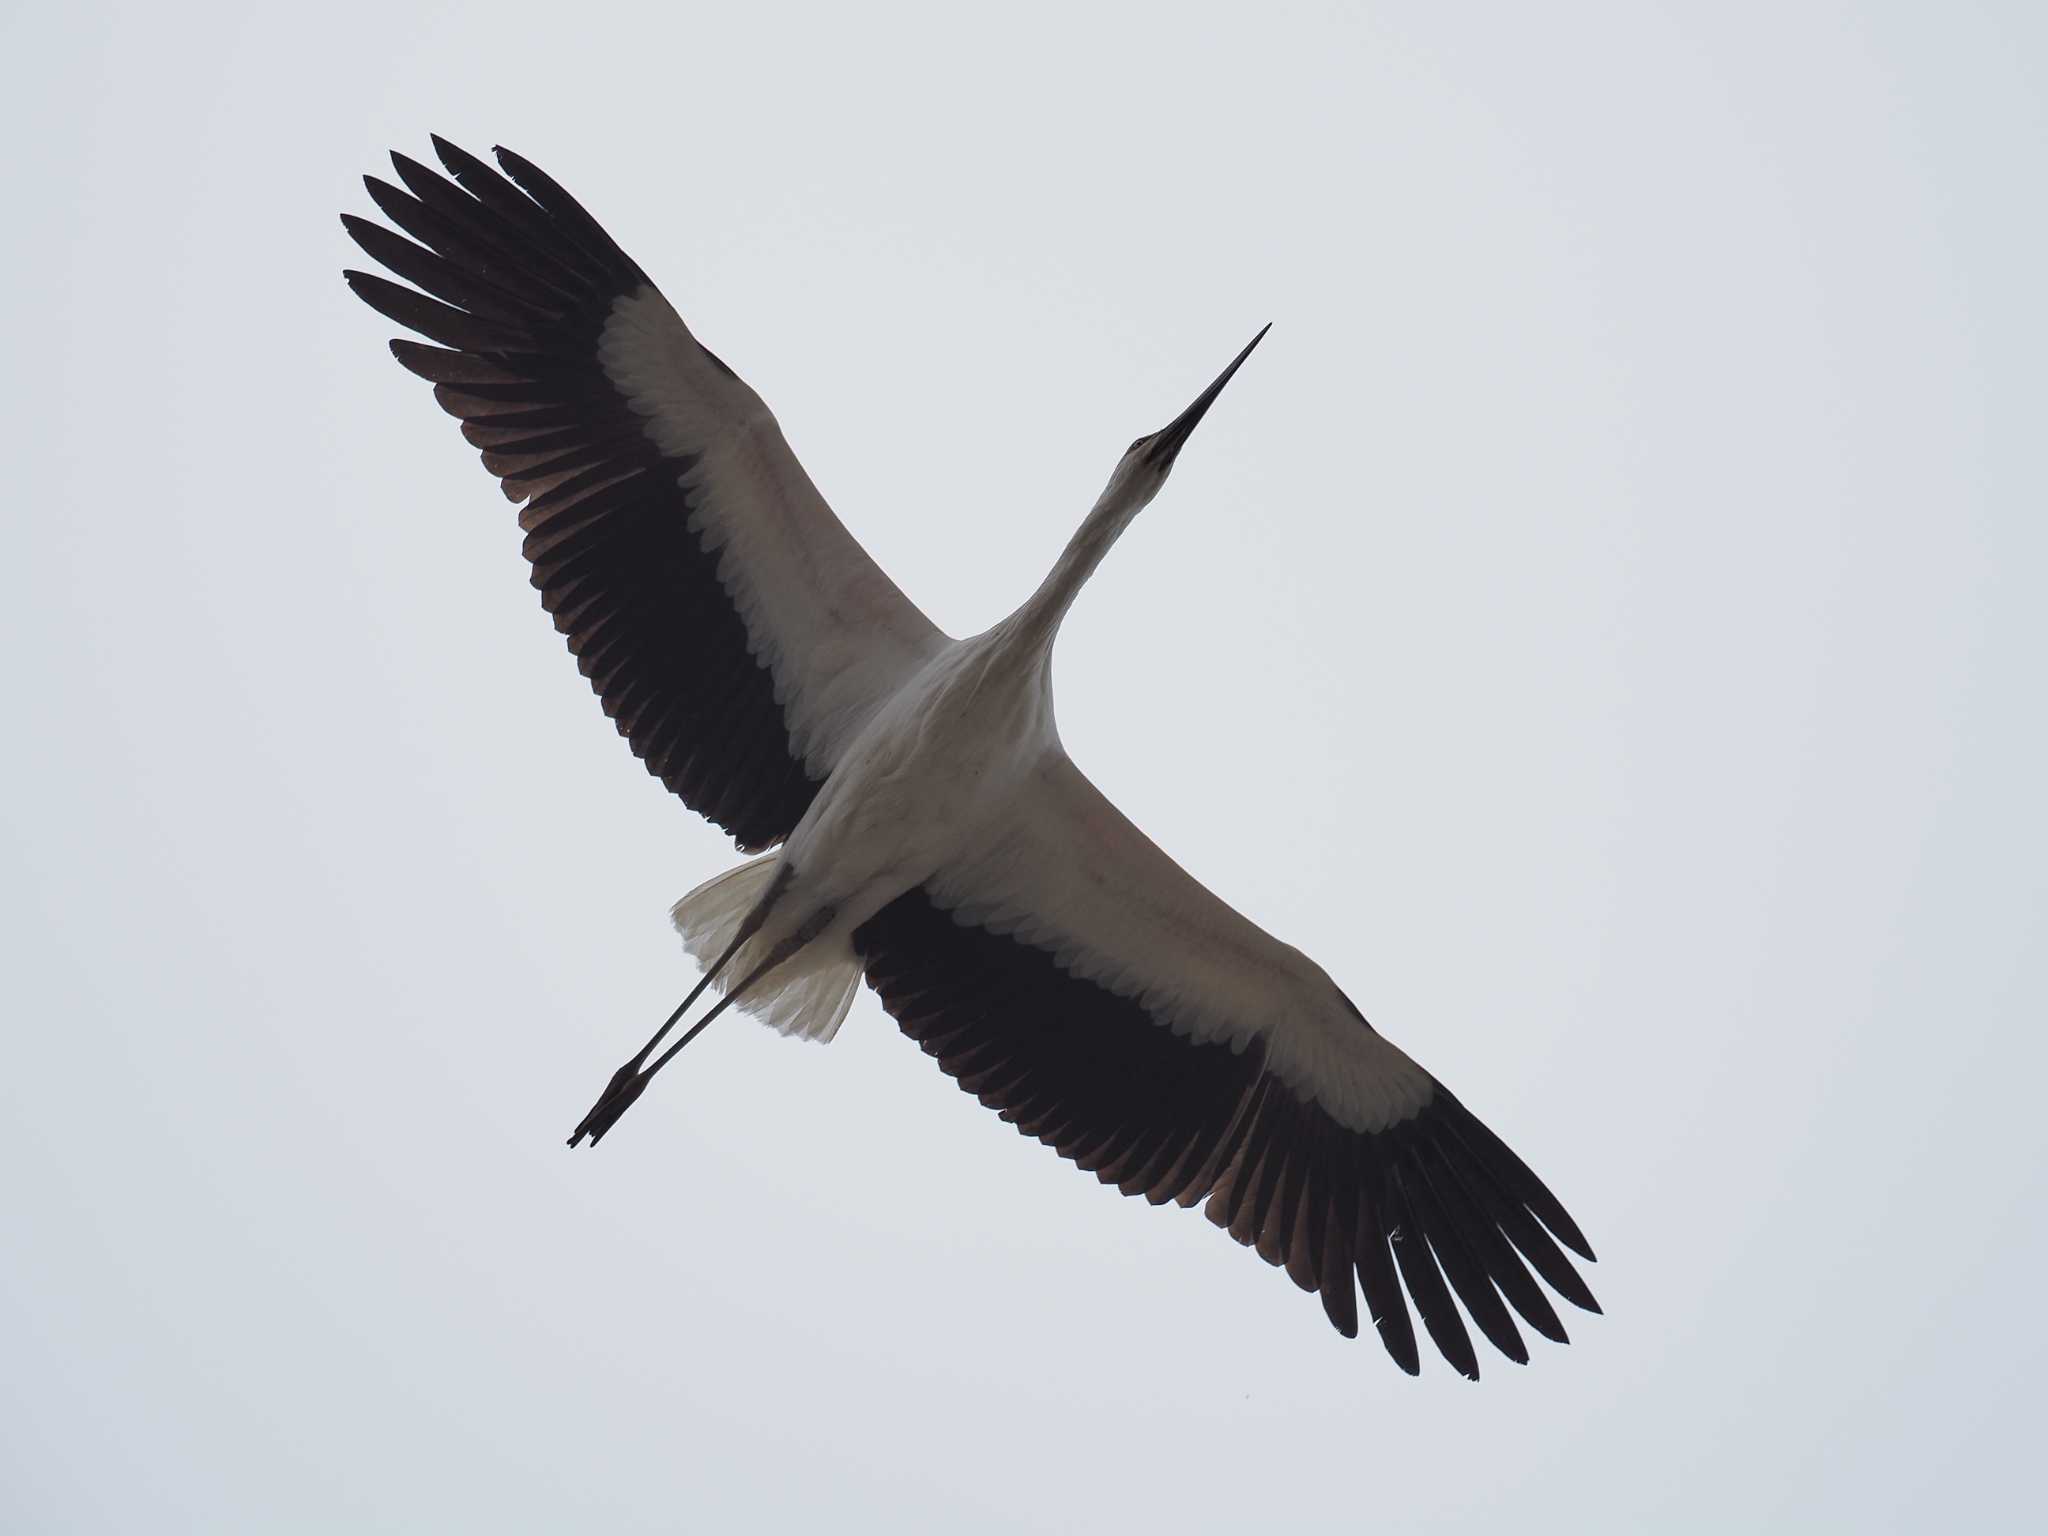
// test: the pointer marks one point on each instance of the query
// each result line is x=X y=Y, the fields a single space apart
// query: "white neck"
x=1031 y=630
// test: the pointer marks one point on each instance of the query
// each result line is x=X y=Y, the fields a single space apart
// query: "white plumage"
x=837 y=634
x=1065 y=870
x=929 y=832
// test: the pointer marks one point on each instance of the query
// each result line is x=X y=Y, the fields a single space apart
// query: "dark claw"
x=608 y=1112
x=626 y=1086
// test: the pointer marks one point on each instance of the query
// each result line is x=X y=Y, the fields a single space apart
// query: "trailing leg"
x=631 y=1080
x=627 y=1080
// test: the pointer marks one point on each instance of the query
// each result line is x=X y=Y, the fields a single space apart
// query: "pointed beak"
x=1167 y=444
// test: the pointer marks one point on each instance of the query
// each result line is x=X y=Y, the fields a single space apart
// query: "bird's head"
x=1147 y=462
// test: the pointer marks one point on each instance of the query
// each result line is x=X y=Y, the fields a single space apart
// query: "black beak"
x=1167 y=441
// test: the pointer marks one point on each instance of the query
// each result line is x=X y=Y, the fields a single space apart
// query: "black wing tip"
x=1507 y=1165
x=1570 y=1235
x=364 y=285
x=458 y=162
x=1399 y=1341
x=533 y=181
x=412 y=172
x=418 y=358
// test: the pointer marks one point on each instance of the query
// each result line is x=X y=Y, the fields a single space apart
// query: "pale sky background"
x=1603 y=624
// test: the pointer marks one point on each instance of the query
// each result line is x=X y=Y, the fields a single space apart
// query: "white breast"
x=934 y=767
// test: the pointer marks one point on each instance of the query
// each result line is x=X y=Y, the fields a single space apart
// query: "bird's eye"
x=1141 y=442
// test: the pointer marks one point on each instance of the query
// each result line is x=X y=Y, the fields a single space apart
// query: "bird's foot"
x=627 y=1084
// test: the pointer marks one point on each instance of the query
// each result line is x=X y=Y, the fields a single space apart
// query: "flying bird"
x=916 y=820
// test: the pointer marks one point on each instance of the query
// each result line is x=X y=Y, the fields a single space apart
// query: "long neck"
x=1032 y=628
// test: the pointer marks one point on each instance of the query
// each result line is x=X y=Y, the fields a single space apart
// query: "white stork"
x=928 y=830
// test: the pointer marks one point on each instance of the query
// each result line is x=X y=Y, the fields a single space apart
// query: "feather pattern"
x=1102 y=1080
x=659 y=501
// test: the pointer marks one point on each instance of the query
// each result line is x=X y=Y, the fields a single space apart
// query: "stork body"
x=923 y=783
x=928 y=831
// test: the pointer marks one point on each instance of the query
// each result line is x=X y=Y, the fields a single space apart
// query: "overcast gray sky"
x=1602 y=624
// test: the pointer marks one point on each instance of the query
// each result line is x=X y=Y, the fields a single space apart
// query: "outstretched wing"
x=1076 y=980
x=734 y=630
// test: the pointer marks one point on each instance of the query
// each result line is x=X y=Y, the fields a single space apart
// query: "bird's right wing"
x=1075 y=979
x=735 y=631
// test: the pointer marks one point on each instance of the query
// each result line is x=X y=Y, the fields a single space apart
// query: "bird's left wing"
x=735 y=631
x=1077 y=980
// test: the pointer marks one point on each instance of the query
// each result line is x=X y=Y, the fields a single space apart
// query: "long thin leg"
x=749 y=926
x=620 y=1097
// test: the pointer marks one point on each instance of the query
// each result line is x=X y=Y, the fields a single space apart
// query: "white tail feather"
x=807 y=995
